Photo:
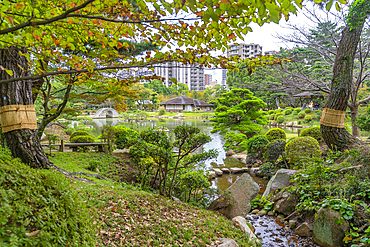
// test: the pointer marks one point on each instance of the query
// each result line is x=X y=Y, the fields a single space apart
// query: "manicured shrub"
x=318 y=113
x=79 y=133
x=271 y=112
x=274 y=149
x=313 y=132
x=289 y=108
x=257 y=145
x=278 y=110
x=302 y=149
x=161 y=112
x=277 y=115
x=297 y=110
x=83 y=139
x=43 y=203
x=272 y=117
x=280 y=119
x=275 y=134
x=288 y=112
x=301 y=114
x=307 y=110
x=307 y=118
x=125 y=136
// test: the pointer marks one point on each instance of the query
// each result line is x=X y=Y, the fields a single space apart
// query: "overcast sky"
x=264 y=36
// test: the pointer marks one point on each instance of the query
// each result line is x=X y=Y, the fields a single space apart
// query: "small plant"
x=193 y=183
x=363 y=121
x=302 y=148
x=52 y=139
x=307 y=118
x=295 y=113
x=318 y=113
x=93 y=165
x=299 y=122
x=307 y=110
x=301 y=114
x=275 y=134
x=313 y=132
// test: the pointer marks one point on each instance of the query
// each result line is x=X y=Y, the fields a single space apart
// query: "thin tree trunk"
x=339 y=138
x=354 y=115
x=23 y=143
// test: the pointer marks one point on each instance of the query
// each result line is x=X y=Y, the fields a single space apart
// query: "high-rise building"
x=207 y=79
x=224 y=77
x=271 y=52
x=244 y=50
x=192 y=74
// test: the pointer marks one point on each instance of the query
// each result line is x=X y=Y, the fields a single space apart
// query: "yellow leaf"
x=33 y=234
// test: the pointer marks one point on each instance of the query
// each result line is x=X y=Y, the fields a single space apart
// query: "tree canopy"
x=239 y=110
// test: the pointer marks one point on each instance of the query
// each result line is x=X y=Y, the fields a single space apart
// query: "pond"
x=217 y=143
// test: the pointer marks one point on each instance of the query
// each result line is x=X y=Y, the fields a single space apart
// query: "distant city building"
x=192 y=74
x=244 y=50
x=224 y=77
x=267 y=53
x=207 y=79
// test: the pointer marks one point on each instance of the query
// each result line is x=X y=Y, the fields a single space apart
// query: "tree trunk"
x=339 y=138
x=23 y=143
x=354 y=115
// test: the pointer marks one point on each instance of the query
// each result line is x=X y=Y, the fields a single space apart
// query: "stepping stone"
x=218 y=171
x=225 y=170
x=235 y=170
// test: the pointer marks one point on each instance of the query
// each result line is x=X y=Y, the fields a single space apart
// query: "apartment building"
x=192 y=74
x=244 y=50
x=207 y=80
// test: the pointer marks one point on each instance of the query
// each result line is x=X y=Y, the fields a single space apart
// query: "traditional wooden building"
x=186 y=104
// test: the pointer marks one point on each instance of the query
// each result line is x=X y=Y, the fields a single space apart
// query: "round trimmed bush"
x=257 y=145
x=271 y=117
x=79 y=133
x=275 y=134
x=307 y=118
x=288 y=112
x=307 y=110
x=297 y=109
x=32 y=200
x=280 y=119
x=313 y=132
x=271 y=112
x=301 y=114
x=295 y=113
x=277 y=115
x=278 y=110
x=274 y=149
x=82 y=139
x=302 y=148
x=289 y=108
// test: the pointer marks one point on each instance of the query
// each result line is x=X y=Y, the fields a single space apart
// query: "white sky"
x=264 y=37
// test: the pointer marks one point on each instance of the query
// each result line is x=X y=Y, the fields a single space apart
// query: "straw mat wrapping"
x=15 y=117
x=332 y=118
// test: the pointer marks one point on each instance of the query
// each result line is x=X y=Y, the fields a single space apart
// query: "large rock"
x=326 y=232
x=236 y=201
x=227 y=242
x=279 y=180
x=285 y=202
x=230 y=152
x=240 y=223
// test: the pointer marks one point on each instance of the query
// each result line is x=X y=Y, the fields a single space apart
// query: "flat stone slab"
x=211 y=175
x=218 y=171
x=225 y=170
x=235 y=170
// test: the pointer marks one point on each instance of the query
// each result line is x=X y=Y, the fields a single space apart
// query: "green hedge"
x=82 y=139
x=79 y=133
x=307 y=110
x=32 y=200
x=301 y=114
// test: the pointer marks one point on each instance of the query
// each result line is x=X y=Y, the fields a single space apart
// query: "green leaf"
x=173 y=79
x=343 y=1
x=328 y=5
x=337 y=6
x=10 y=72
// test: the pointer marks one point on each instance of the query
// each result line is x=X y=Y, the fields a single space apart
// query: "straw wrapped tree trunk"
x=339 y=138
x=23 y=143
